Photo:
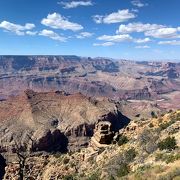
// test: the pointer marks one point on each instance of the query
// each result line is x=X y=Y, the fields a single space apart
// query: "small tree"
x=153 y=114
x=23 y=151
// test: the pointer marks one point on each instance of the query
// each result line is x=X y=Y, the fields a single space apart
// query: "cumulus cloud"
x=16 y=28
x=138 y=3
x=31 y=33
x=83 y=35
x=116 y=38
x=173 y=42
x=142 y=47
x=138 y=27
x=163 y=33
x=145 y=40
x=104 y=44
x=75 y=4
x=123 y=38
x=115 y=17
x=57 y=21
x=152 y=30
x=52 y=35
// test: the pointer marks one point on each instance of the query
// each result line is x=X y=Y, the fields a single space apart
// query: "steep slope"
x=95 y=77
x=136 y=154
x=54 y=121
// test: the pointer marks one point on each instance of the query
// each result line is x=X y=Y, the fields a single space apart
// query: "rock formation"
x=98 y=77
x=54 y=121
x=103 y=132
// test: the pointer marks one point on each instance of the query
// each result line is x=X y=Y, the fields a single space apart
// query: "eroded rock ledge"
x=54 y=121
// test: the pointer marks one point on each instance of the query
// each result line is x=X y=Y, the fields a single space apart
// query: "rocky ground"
x=143 y=150
x=85 y=118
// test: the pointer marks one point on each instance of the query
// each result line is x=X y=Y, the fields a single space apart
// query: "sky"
x=121 y=29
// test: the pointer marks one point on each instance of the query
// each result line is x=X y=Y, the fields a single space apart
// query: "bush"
x=70 y=177
x=94 y=176
x=153 y=114
x=122 y=140
x=129 y=155
x=168 y=158
x=169 y=143
x=123 y=170
x=166 y=125
x=66 y=160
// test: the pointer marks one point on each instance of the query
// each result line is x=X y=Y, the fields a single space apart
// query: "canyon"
x=79 y=105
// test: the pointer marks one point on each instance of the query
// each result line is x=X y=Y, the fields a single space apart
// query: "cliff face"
x=98 y=77
x=53 y=121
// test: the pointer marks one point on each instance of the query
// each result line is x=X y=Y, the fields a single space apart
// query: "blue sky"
x=130 y=29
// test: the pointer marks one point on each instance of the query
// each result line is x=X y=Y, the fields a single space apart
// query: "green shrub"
x=69 y=177
x=122 y=140
x=129 y=155
x=168 y=158
x=94 y=176
x=153 y=114
x=171 y=158
x=169 y=143
x=66 y=160
x=123 y=170
x=166 y=125
x=158 y=157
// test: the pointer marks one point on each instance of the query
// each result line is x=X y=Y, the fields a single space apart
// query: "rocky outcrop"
x=103 y=132
x=54 y=121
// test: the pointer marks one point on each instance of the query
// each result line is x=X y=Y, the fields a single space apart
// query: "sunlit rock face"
x=95 y=77
x=54 y=121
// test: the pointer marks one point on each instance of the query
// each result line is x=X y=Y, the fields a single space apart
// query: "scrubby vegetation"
x=123 y=170
x=122 y=140
x=168 y=158
x=147 y=140
x=167 y=124
x=168 y=144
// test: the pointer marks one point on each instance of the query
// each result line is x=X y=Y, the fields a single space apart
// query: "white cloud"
x=75 y=4
x=52 y=35
x=115 y=17
x=173 y=42
x=152 y=30
x=145 y=40
x=104 y=44
x=137 y=27
x=31 y=33
x=98 y=19
x=116 y=38
x=57 y=21
x=122 y=38
x=83 y=35
x=16 y=28
x=142 y=47
x=138 y=3
x=163 y=33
